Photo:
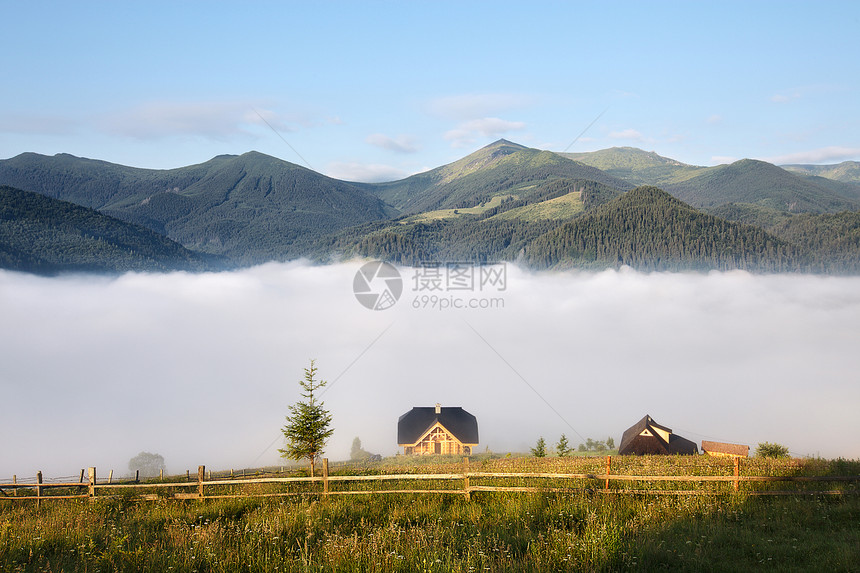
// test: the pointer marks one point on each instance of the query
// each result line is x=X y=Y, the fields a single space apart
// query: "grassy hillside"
x=649 y=229
x=564 y=207
x=637 y=166
x=44 y=235
x=846 y=172
x=497 y=169
x=427 y=216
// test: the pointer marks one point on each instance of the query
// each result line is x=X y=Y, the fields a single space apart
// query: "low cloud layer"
x=364 y=172
x=201 y=368
x=400 y=144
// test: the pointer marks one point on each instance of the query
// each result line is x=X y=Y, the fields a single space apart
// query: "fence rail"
x=591 y=482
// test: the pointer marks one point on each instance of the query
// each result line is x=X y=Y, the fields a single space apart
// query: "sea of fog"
x=201 y=368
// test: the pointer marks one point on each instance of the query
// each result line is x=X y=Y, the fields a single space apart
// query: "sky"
x=375 y=91
x=201 y=368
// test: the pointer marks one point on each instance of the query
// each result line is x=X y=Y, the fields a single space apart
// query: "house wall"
x=438 y=441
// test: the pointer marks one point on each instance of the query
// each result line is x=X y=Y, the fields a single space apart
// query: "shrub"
x=768 y=450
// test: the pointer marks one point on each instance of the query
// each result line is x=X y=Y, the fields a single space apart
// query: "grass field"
x=436 y=532
x=563 y=207
x=430 y=216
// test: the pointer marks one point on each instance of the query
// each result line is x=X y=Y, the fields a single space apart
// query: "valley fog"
x=201 y=368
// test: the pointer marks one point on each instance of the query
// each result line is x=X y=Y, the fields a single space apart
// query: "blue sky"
x=380 y=90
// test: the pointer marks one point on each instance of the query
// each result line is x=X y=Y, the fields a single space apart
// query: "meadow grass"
x=578 y=531
x=430 y=216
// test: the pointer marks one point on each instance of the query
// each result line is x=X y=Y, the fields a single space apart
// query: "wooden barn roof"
x=414 y=423
x=725 y=449
x=632 y=442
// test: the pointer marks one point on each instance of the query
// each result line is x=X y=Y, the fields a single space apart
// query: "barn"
x=648 y=437
x=720 y=449
x=437 y=430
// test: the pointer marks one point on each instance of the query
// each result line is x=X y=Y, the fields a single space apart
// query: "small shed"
x=648 y=437
x=437 y=430
x=721 y=449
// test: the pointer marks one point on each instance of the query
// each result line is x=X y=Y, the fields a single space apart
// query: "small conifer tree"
x=307 y=428
x=562 y=448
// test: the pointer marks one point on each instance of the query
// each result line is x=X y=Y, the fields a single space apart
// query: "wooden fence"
x=323 y=485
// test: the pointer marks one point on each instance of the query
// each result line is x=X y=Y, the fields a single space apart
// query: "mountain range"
x=503 y=202
x=249 y=208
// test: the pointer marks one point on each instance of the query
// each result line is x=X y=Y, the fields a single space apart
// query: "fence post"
x=38 y=489
x=187 y=475
x=325 y=476
x=161 y=474
x=82 y=475
x=201 y=473
x=608 y=471
x=136 y=476
x=466 y=492
x=737 y=473
x=92 y=476
x=110 y=476
x=14 y=481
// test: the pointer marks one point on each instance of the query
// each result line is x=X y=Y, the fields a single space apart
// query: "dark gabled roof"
x=633 y=443
x=414 y=423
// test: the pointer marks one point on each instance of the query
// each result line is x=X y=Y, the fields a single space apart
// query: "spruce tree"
x=562 y=448
x=539 y=451
x=307 y=426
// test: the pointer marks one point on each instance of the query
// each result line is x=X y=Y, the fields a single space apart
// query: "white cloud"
x=145 y=361
x=365 y=172
x=471 y=106
x=402 y=144
x=208 y=119
x=631 y=134
x=833 y=154
x=714 y=119
x=466 y=133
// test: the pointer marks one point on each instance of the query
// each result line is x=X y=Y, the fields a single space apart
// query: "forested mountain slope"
x=649 y=229
x=43 y=235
